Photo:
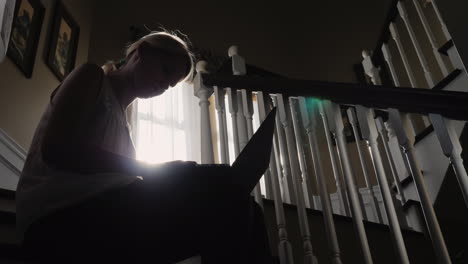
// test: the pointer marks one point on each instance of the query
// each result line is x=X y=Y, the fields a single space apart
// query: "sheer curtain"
x=167 y=127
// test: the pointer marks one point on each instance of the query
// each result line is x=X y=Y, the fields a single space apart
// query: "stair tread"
x=444 y=49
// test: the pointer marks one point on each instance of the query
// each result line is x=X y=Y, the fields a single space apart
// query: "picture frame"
x=63 y=42
x=25 y=32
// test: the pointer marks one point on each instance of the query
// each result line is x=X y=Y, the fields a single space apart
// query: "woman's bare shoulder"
x=83 y=81
x=86 y=70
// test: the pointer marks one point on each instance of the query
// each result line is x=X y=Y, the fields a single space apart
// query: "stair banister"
x=232 y=102
x=432 y=223
x=422 y=58
x=398 y=203
x=374 y=203
x=408 y=68
x=356 y=211
x=263 y=105
x=203 y=92
x=426 y=204
x=222 y=126
x=238 y=68
x=284 y=246
x=312 y=201
x=430 y=35
x=383 y=135
x=328 y=126
x=451 y=147
x=309 y=257
x=388 y=59
x=310 y=123
x=369 y=133
x=450 y=104
x=241 y=122
x=441 y=21
x=287 y=180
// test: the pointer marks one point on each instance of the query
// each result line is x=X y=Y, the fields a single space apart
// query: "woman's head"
x=169 y=44
x=152 y=64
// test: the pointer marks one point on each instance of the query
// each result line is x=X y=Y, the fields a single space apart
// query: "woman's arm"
x=64 y=145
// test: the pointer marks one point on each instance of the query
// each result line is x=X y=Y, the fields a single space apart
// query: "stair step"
x=444 y=49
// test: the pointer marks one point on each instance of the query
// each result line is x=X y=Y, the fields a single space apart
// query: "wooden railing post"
x=284 y=247
x=329 y=127
x=422 y=59
x=388 y=58
x=232 y=101
x=432 y=223
x=383 y=135
x=288 y=179
x=239 y=68
x=309 y=120
x=222 y=126
x=435 y=46
x=369 y=132
x=292 y=155
x=374 y=203
x=450 y=144
x=307 y=183
x=335 y=113
x=203 y=93
x=409 y=70
x=441 y=21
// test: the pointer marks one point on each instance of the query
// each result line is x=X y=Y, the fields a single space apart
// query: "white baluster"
x=388 y=58
x=307 y=184
x=301 y=210
x=287 y=180
x=222 y=126
x=403 y=219
x=383 y=135
x=239 y=68
x=279 y=168
x=203 y=93
x=369 y=132
x=232 y=100
x=310 y=125
x=374 y=208
x=248 y=114
x=369 y=68
x=417 y=47
x=452 y=148
x=431 y=37
x=263 y=104
x=441 y=21
x=340 y=188
x=432 y=223
x=241 y=122
x=284 y=247
x=335 y=113
x=409 y=70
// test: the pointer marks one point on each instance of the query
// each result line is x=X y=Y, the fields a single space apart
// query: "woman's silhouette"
x=82 y=196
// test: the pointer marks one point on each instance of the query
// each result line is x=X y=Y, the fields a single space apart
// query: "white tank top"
x=42 y=189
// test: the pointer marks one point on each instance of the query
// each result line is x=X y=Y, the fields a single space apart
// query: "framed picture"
x=26 y=28
x=63 y=42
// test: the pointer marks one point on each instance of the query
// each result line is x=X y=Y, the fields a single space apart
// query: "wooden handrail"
x=450 y=104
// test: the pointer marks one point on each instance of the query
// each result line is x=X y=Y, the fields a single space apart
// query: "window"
x=167 y=126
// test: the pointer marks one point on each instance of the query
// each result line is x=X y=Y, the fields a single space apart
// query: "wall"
x=22 y=101
x=301 y=39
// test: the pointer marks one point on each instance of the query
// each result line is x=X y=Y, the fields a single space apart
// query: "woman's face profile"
x=156 y=70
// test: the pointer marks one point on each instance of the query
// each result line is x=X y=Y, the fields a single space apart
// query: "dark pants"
x=181 y=212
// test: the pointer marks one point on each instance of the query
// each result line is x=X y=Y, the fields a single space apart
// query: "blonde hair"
x=166 y=41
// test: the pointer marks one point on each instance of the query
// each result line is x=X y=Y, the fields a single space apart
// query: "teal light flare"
x=312 y=103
